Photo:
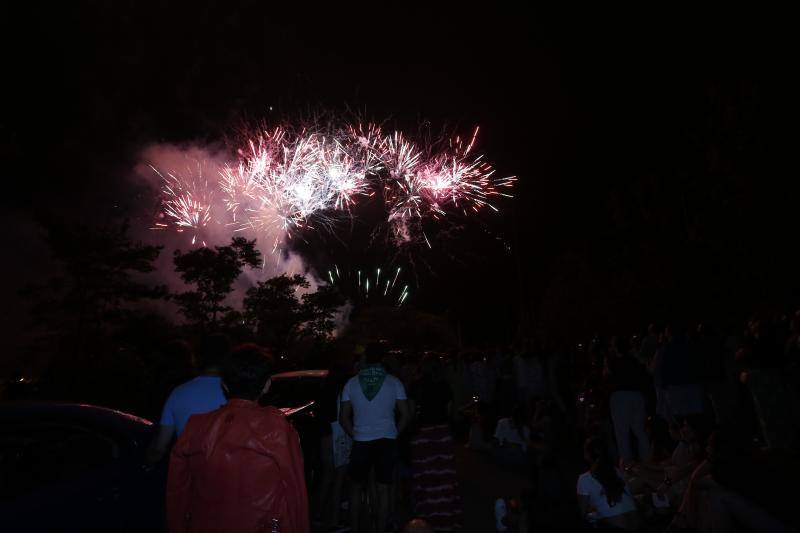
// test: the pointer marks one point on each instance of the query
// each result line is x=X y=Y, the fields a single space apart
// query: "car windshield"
x=293 y=392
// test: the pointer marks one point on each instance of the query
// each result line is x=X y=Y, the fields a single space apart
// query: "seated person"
x=731 y=488
x=602 y=494
x=512 y=439
x=670 y=478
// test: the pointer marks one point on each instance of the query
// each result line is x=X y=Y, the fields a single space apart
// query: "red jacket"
x=236 y=469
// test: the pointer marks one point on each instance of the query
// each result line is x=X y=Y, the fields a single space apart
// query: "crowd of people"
x=679 y=429
x=684 y=428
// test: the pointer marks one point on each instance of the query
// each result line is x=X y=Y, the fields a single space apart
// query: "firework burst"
x=187 y=200
x=285 y=179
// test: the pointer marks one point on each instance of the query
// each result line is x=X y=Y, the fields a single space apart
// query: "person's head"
x=175 y=364
x=695 y=429
x=603 y=469
x=418 y=525
x=375 y=352
x=794 y=325
x=432 y=368
x=391 y=364
x=212 y=352
x=755 y=326
x=247 y=372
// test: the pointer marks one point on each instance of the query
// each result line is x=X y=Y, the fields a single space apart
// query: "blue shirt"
x=200 y=395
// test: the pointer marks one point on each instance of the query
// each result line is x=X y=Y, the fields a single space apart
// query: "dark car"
x=74 y=467
x=296 y=394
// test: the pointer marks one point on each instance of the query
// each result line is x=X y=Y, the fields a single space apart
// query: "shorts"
x=379 y=454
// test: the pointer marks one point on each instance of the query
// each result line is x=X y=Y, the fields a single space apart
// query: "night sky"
x=655 y=149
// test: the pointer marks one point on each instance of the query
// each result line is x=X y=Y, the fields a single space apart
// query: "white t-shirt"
x=374 y=419
x=589 y=486
x=506 y=432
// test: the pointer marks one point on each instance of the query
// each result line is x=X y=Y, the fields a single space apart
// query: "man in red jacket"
x=239 y=468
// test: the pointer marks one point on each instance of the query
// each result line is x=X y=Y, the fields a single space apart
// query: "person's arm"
x=346 y=417
x=401 y=406
x=179 y=482
x=583 y=491
x=159 y=446
x=584 y=506
x=702 y=470
x=498 y=439
x=677 y=473
x=412 y=408
x=405 y=415
x=607 y=373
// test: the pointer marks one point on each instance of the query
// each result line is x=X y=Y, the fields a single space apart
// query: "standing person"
x=369 y=401
x=649 y=346
x=435 y=482
x=513 y=437
x=199 y=395
x=680 y=376
x=333 y=474
x=480 y=378
x=626 y=380
x=530 y=378
x=710 y=354
x=239 y=468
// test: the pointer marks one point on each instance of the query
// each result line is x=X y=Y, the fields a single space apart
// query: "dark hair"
x=375 y=352
x=702 y=426
x=603 y=470
x=213 y=351
x=246 y=371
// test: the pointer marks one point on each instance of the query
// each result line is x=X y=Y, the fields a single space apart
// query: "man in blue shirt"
x=199 y=395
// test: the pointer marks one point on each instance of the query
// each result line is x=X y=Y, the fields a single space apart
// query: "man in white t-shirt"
x=369 y=402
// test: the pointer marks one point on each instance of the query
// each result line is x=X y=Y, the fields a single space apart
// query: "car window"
x=33 y=455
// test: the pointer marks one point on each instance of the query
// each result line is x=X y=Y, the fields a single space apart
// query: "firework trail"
x=360 y=287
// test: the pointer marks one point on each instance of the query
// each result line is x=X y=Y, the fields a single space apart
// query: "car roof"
x=133 y=432
x=301 y=374
x=80 y=411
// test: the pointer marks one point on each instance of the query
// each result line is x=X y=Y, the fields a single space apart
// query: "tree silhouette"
x=212 y=272
x=319 y=308
x=274 y=311
x=279 y=317
x=98 y=278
